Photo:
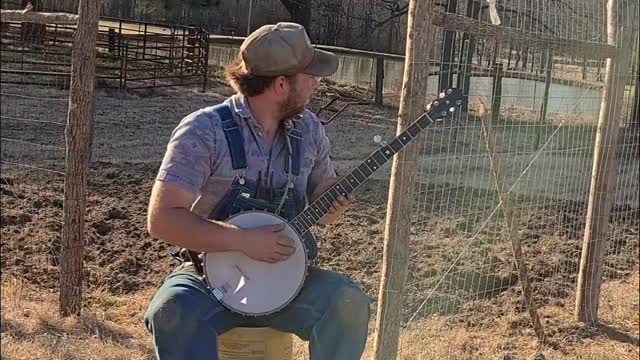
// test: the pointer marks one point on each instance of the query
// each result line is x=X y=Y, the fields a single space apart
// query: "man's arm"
x=170 y=219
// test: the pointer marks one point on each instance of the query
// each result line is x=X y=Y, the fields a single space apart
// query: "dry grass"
x=511 y=337
x=111 y=328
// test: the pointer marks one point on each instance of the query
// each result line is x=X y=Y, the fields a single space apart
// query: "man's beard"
x=291 y=106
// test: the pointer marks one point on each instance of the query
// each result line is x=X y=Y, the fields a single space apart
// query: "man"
x=275 y=75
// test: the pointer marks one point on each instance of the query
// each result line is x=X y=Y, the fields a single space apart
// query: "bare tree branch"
x=394 y=5
x=397 y=8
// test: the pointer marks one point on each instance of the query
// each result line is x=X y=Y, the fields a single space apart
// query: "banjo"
x=255 y=288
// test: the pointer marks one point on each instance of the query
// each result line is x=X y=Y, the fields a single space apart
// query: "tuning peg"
x=441 y=95
x=428 y=107
x=435 y=103
x=444 y=113
x=452 y=109
x=449 y=91
x=458 y=102
x=378 y=140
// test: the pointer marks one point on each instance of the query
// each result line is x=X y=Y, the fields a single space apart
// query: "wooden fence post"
x=379 y=79
x=604 y=174
x=396 y=235
x=79 y=138
x=545 y=99
x=497 y=92
x=205 y=40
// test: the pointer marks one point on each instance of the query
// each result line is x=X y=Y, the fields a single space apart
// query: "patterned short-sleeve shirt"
x=198 y=158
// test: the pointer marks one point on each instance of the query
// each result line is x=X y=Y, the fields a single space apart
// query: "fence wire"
x=544 y=107
x=32 y=161
x=543 y=110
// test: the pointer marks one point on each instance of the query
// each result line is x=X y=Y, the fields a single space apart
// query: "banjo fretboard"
x=348 y=183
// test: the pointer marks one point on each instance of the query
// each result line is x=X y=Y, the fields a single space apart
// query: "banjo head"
x=252 y=287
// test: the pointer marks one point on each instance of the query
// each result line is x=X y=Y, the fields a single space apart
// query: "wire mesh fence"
x=33 y=167
x=540 y=105
x=544 y=109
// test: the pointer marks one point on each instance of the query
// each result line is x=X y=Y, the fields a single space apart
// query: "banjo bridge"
x=242 y=272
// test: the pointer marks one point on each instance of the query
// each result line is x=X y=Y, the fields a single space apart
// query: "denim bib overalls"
x=246 y=194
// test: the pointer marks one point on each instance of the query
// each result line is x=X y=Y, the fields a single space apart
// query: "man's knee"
x=352 y=306
x=172 y=311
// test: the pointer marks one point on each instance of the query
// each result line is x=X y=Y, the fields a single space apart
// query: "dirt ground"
x=460 y=258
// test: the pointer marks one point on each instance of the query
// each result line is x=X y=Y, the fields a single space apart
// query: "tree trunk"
x=79 y=138
x=604 y=171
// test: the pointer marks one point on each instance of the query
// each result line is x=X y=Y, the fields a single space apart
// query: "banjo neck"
x=437 y=109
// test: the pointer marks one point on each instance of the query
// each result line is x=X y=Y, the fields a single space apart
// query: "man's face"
x=301 y=89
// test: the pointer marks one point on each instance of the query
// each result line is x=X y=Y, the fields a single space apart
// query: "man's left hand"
x=338 y=207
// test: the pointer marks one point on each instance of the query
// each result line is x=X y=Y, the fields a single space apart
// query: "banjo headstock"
x=448 y=102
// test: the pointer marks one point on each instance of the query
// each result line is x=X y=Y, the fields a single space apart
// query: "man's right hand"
x=266 y=244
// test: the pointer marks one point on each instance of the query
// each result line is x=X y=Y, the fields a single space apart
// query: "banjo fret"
x=345 y=185
x=309 y=216
x=341 y=189
x=322 y=201
x=414 y=130
x=333 y=193
x=379 y=157
x=405 y=138
x=352 y=181
x=304 y=220
x=395 y=145
x=365 y=169
x=361 y=178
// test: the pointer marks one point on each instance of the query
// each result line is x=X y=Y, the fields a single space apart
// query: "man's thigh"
x=193 y=300
x=321 y=287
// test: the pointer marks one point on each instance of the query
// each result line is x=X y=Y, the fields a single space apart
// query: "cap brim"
x=324 y=63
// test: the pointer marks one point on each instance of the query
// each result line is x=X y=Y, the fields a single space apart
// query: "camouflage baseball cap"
x=284 y=49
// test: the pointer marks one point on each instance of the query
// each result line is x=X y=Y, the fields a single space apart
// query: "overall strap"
x=295 y=138
x=233 y=135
